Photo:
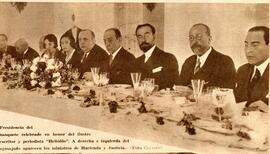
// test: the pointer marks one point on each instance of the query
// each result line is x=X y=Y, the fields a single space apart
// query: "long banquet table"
x=125 y=122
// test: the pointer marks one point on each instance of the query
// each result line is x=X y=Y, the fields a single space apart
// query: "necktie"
x=143 y=58
x=253 y=82
x=84 y=57
x=197 y=66
x=111 y=59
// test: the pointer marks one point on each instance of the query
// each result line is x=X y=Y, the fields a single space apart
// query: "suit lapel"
x=117 y=58
x=153 y=59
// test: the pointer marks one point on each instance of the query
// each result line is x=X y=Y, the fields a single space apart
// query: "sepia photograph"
x=191 y=75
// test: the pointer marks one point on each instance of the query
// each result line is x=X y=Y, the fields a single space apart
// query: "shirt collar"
x=204 y=56
x=261 y=67
x=116 y=52
x=149 y=53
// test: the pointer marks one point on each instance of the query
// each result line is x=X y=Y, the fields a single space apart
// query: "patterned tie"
x=111 y=59
x=197 y=66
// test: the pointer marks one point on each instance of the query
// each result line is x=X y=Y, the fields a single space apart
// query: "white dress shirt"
x=262 y=67
x=149 y=53
x=203 y=57
x=115 y=53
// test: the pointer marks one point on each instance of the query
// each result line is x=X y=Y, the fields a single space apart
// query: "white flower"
x=36 y=60
x=33 y=75
x=50 y=62
x=57 y=82
x=56 y=75
x=33 y=68
x=46 y=56
x=42 y=84
x=50 y=67
x=42 y=59
x=33 y=82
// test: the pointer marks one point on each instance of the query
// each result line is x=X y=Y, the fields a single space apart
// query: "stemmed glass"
x=218 y=99
x=95 y=74
x=136 y=79
x=103 y=78
x=197 y=86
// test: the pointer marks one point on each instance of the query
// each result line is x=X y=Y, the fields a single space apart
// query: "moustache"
x=196 y=45
x=145 y=44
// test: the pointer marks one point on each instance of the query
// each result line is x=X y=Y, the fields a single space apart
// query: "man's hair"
x=208 y=32
x=263 y=29
x=116 y=32
x=72 y=42
x=51 y=38
x=146 y=25
x=5 y=36
x=88 y=30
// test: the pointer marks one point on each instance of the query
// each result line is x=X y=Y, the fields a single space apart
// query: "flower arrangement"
x=43 y=72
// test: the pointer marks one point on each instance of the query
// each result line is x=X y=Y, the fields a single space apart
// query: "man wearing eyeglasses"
x=155 y=63
x=215 y=68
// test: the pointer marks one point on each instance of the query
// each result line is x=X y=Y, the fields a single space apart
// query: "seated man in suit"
x=207 y=64
x=5 y=48
x=24 y=51
x=253 y=78
x=121 y=62
x=94 y=55
x=155 y=63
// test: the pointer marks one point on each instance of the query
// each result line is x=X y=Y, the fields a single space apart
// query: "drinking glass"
x=95 y=74
x=136 y=78
x=197 y=86
x=103 y=78
x=218 y=99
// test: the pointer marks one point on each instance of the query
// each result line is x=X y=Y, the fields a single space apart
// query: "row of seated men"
x=78 y=48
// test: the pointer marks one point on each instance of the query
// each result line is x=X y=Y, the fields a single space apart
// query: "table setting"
x=207 y=116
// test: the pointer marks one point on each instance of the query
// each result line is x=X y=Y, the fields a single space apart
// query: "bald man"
x=24 y=51
x=94 y=55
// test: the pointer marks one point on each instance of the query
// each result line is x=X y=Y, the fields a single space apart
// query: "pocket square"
x=158 y=69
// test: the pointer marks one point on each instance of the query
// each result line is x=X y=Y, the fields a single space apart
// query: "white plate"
x=120 y=85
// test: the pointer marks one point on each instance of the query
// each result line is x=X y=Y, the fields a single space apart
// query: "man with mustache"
x=253 y=77
x=155 y=63
x=215 y=68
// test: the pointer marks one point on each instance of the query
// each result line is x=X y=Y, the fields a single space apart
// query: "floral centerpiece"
x=44 y=72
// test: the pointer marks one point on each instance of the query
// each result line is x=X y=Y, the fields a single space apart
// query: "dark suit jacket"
x=165 y=78
x=97 y=57
x=260 y=90
x=29 y=55
x=218 y=70
x=75 y=60
x=69 y=32
x=11 y=50
x=121 y=67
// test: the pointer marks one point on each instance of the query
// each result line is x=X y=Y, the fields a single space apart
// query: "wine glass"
x=218 y=99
